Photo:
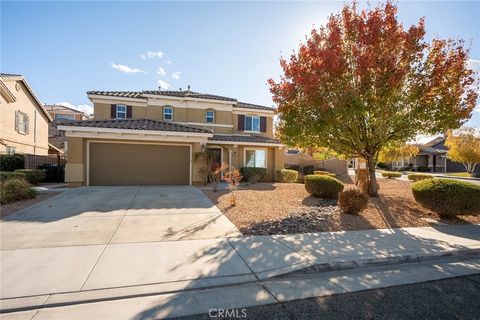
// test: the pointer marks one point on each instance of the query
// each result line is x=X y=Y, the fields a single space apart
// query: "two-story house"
x=60 y=113
x=23 y=119
x=151 y=137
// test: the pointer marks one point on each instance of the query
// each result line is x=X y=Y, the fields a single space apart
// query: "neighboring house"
x=23 y=119
x=295 y=158
x=57 y=138
x=431 y=158
x=59 y=112
x=151 y=137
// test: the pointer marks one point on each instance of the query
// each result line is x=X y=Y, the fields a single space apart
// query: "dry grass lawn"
x=289 y=207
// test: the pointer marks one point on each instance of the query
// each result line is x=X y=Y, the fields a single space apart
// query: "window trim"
x=255 y=149
x=118 y=112
x=24 y=117
x=10 y=150
x=164 y=113
x=252 y=116
x=212 y=117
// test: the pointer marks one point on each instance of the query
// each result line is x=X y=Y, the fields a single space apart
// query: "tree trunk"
x=372 y=183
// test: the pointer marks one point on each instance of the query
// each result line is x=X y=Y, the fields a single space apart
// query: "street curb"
x=383 y=261
x=19 y=304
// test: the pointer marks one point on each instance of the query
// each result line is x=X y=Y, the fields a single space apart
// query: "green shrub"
x=15 y=189
x=419 y=176
x=308 y=170
x=391 y=174
x=33 y=176
x=352 y=201
x=382 y=165
x=11 y=162
x=253 y=175
x=448 y=197
x=4 y=176
x=289 y=176
x=323 y=186
x=325 y=173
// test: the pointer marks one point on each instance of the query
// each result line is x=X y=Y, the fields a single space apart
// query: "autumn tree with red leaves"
x=364 y=83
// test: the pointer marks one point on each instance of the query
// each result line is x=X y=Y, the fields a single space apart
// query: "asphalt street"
x=455 y=298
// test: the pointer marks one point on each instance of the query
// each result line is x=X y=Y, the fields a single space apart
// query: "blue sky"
x=228 y=48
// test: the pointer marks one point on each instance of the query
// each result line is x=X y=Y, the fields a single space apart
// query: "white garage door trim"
x=141 y=142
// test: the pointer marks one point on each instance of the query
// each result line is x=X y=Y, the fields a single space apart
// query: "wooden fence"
x=33 y=161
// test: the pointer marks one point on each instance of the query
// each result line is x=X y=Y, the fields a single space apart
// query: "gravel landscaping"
x=283 y=208
x=9 y=208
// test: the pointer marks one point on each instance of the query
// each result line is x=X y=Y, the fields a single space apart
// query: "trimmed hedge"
x=391 y=175
x=322 y=186
x=11 y=162
x=4 y=176
x=419 y=176
x=14 y=190
x=287 y=175
x=253 y=175
x=352 y=201
x=447 y=197
x=34 y=176
x=326 y=173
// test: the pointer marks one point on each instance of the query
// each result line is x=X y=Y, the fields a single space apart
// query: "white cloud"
x=176 y=75
x=163 y=84
x=151 y=55
x=126 y=69
x=168 y=62
x=161 y=72
x=88 y=109
x=474 y=64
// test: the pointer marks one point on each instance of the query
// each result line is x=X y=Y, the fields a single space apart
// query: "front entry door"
x=217 y=158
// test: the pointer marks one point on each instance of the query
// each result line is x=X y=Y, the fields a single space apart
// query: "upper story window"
x=121 y=111
x=210 y=116
x=21 y=122
x=167 y=113
x=252 y=123
x=64 y=117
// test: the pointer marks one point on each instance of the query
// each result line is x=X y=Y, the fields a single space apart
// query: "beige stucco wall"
x=191 y=112
x=36 y=141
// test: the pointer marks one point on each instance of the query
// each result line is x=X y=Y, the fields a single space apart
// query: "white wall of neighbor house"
x=35 y=140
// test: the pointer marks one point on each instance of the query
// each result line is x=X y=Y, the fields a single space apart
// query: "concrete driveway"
x=97 y=237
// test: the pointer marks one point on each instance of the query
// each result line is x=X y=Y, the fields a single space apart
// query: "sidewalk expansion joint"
x=289 y=276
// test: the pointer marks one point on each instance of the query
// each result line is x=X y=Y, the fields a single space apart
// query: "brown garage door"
x=118 y=164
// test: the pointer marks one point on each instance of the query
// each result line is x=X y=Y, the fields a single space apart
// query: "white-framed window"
x=252 y=123
x=256 y=158
x=210 y=116
x=21 y=122
x=10 y=150
x=167 y=113
x=64 y=117
x=121 y=111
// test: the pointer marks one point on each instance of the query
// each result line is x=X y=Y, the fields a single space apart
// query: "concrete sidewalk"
x=239 y=296
x=38 y=275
